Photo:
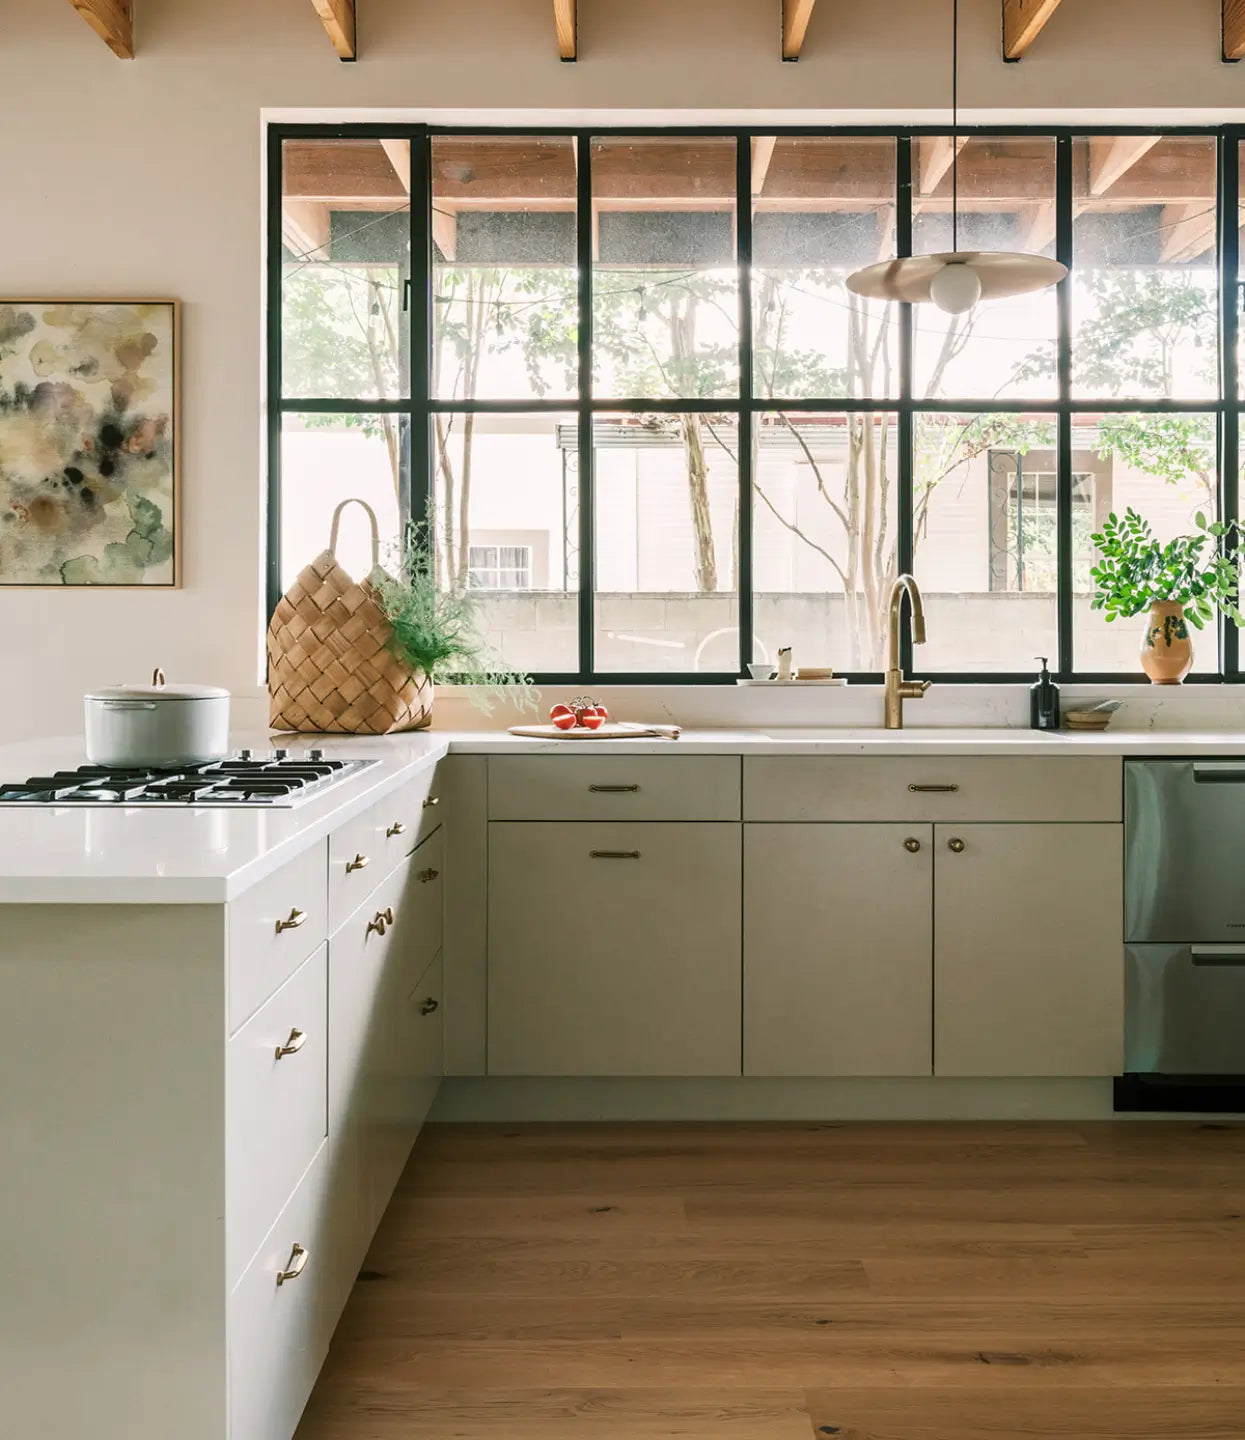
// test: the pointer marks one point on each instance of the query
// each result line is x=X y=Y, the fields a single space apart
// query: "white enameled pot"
x=157 y=724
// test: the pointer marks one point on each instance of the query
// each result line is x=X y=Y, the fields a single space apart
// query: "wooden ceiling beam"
x=306 y=228
x=566 y=25
x=1112 y=156
x=338 y=19
x=1187 y=231
x=1233 y=29
x=398 y=153
x=112 y=21
x=795 y=17
x=1023 y=22
x=935 y=156
x=762 y=155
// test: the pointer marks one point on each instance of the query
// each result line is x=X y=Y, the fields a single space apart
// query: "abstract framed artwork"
x=89 y=443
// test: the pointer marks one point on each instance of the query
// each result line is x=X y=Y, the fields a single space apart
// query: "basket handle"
x=371 y=515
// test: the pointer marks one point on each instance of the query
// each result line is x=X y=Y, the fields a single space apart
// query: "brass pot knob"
x=360 y=862
x=431 y=801
x=397 y=828
x=912 y=845
x=293 y=1045
x=293 y=920
x=956 y=845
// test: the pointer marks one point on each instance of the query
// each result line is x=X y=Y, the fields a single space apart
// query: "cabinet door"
x=837 y=949
x=614 y=949
x=1028 y=952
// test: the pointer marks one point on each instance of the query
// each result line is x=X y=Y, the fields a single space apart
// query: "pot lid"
x=158 y=689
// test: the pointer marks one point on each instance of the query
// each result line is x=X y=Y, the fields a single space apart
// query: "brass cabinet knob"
x=293 y=1045
x=360 y=862
x=292 y=921
x=956 y=844
x=376 y=925
x=294 y=1266
x=388 y=914
x=431 y=801
x=911 y=845
x=397 y=828
x=425 y=876
x=429 y=1006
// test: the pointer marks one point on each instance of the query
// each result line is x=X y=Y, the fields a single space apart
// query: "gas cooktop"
x=279 y=779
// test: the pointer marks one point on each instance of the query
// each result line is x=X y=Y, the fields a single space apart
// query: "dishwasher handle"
x=1222 y=955
x=1219 y=772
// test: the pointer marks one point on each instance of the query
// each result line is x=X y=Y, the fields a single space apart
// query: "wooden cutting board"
x=611 y=730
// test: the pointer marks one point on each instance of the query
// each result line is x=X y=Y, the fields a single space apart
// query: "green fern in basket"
x=438 y=632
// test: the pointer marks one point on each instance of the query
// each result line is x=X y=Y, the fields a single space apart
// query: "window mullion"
x=1063 y=484
x=906 y=416
x=416 y=503
x=743 y=261
x=587 y=468
x=1229 y=368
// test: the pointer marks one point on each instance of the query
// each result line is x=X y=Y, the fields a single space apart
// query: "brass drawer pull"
x=293 y=1045
x=956 y=844
x=933 y=789
x=292 y=921
x=613 y=789
x=397 y=828
x=912 y=845
x=431 y=801
x=294 y=1266
x=429 y=1006
x=360 y=862
x=425 y=876
x=376 y=925
x=614 y=854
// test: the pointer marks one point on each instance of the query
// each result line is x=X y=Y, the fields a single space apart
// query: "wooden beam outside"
x=934 y=157
x=795 y=17
x=762 y=154
x=1037 y=226
x=1023 y=21
x=112 y=21
x=306 y=228
x=445 y=231
x=1187 y=231
x=1112 y=156
x=1233 y=29
x=566 y=24
x=338 y=19
x=398 y=153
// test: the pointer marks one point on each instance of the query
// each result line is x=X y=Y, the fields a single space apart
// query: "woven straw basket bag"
x=330 y=668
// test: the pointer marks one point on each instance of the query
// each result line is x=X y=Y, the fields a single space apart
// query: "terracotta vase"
x=1166 y=649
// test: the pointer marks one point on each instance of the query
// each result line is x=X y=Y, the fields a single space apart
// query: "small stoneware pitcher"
x=1166 y=649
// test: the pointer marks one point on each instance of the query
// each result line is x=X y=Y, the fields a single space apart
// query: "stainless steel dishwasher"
x=1184 y=930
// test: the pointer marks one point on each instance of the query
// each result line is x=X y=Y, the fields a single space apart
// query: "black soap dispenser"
x=1044 y=701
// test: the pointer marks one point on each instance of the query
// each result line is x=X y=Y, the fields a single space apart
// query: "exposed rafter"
x=112 y=21
x=566 y=23
x=795 y=17
x=306 y=228
x=398 y=153
x=1186 y=231
x=1022 y=24
x=1112 y=156
x=762 y=154
x=935 y=156
x=1233 y=29
x=337 y=17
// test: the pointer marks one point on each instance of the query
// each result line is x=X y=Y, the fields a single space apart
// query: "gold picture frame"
x=90 y=444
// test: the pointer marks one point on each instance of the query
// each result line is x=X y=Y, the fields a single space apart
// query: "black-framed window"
x=619 y=374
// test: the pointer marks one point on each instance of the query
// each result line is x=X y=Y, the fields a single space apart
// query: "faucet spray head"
x=918 y=629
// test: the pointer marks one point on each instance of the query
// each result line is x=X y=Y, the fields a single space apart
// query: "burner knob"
x=280 y=754
x=315 y=754
x=244 y=754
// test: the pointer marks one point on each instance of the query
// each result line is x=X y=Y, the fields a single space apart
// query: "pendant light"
x=956 y=279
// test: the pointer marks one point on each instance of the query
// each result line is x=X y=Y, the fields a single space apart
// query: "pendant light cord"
x=955 y=124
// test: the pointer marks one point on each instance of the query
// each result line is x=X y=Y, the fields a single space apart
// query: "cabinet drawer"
x=613 y=787
x=279 y=1332
x=276 y=1104
x=273 y=927
x=933 y=788
x=411 y=1055
x=356 y=866
x=407 y=817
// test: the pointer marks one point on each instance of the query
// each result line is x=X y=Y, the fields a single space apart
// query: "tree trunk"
x=683 y=345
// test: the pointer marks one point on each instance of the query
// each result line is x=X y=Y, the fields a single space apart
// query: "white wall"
x=143 y=178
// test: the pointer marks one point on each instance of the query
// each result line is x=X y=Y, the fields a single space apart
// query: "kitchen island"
x=221 y=1030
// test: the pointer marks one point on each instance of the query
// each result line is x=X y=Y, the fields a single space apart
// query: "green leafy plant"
x=1135 y=570
x=438 y=631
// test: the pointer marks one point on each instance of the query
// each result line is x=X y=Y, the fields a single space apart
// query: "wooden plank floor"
x=764 y=1282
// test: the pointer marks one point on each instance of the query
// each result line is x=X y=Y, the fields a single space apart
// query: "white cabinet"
x=614 y=948
x=1028 y=958
x=838 y=939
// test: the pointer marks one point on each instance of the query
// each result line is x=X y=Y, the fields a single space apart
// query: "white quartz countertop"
x=115 y=854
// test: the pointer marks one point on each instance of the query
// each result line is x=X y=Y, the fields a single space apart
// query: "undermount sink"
x=929 y=735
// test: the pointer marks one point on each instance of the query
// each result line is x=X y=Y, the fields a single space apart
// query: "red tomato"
x=563 y=717
x=591 y=718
